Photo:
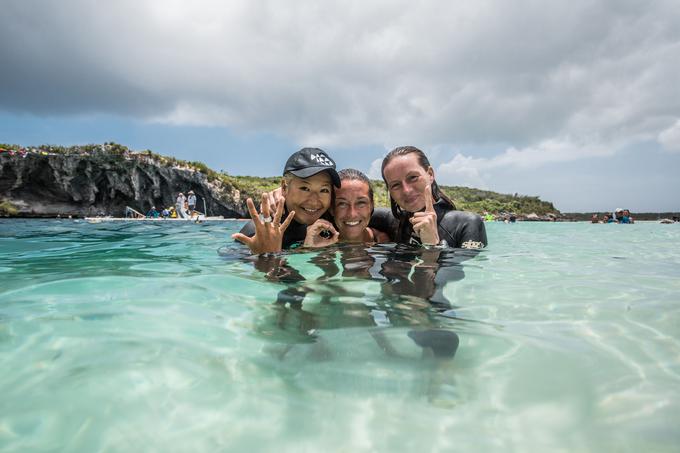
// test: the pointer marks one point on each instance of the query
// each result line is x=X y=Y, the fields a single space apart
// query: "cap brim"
x=311 y=171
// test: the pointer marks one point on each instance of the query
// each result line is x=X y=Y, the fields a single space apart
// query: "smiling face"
x=310 y=197
x=407 y=181
x=352 y=209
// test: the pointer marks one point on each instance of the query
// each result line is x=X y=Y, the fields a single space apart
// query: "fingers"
x=321 y=224
x=425 y=225
x=277 y=194
x=265 y=207
x=242 y=238
x=279 y=211
x=429 y=206
x=336 y=234
x=270 y=198
x=253 y=212
x=286 y=222
x=423 y=220
x=274 y=196
x=321 y=234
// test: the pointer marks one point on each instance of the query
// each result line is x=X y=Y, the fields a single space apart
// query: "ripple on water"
x=145 y=335
x=161 y=267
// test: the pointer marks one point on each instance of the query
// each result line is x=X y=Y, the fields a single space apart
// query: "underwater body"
x=170 y=336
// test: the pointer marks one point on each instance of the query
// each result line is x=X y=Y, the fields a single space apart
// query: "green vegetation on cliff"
x=7 y=209
x=468 y=199
x=465 y=198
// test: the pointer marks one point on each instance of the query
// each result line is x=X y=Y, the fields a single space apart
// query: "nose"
x=353 y=211
x=407 y=188
x=315 y=198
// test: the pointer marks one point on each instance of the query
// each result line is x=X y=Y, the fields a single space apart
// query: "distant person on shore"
x=179 y=205
x=191 y=202
x=351 y=210
x=618 y=215
x=594 y=219
x=165 y=213
x=307 y=185
x=421 y=213
x=626 y=217
x=153 y=213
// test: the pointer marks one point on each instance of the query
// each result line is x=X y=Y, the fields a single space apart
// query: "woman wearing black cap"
x=307 y=186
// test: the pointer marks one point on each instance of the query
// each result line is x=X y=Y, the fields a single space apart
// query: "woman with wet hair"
x=421 y=213
x=351 y=209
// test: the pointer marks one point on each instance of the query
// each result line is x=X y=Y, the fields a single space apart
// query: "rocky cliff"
x=46 y=185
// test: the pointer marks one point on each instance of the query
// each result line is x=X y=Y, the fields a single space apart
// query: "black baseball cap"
x=310 y=161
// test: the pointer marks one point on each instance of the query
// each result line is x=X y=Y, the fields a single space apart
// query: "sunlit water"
x=166 y=337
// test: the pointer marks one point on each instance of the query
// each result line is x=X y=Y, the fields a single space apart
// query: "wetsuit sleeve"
x=383 y=220
x=463 y=229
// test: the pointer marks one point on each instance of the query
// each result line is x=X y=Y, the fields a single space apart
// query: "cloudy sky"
x=576 y=101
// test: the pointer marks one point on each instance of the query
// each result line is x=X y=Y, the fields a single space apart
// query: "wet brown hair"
x=351 y=174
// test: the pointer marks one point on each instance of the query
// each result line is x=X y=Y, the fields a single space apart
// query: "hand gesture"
x=274 y=196
x=268 y=236
x=425 y=222
x=318 y=234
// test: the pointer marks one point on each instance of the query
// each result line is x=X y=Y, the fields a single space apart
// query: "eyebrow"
x=361 y=198
x=323 y=184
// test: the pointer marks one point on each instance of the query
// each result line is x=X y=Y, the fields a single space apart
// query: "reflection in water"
x=409 y=282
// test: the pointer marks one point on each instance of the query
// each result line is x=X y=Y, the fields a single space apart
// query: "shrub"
x=7 y=209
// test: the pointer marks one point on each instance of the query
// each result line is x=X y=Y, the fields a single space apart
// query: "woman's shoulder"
x=465 y=229
x=462 y=217
x=382 y=219
x=378 y=236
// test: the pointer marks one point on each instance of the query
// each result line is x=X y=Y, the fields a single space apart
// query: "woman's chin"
x=353 y=234
x=413 y=207
x=306 y=219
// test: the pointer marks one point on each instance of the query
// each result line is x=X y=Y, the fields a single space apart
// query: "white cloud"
x=347 y=73
x=479 y=172
x=670 y=138
x=375 y=172
x=464 y=171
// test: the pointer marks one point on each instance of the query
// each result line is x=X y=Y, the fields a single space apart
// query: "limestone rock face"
x=41 y=185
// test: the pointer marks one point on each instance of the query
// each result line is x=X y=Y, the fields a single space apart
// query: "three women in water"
x=317 y=206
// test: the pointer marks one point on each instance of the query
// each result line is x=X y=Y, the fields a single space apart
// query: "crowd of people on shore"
x=184 y=208
x=618 y=216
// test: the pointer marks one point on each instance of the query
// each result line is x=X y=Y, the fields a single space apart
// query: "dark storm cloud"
x=349 y=72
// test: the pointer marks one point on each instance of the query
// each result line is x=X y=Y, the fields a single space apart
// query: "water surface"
x=167 y=337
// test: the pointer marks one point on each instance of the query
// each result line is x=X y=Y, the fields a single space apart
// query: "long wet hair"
x=437 y=193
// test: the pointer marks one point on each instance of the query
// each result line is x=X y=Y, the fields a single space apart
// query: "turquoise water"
x=165 y=337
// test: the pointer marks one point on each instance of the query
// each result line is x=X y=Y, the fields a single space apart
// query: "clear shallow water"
x=119 y=337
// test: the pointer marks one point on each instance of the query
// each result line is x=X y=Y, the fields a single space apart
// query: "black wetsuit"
x=457 y=228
